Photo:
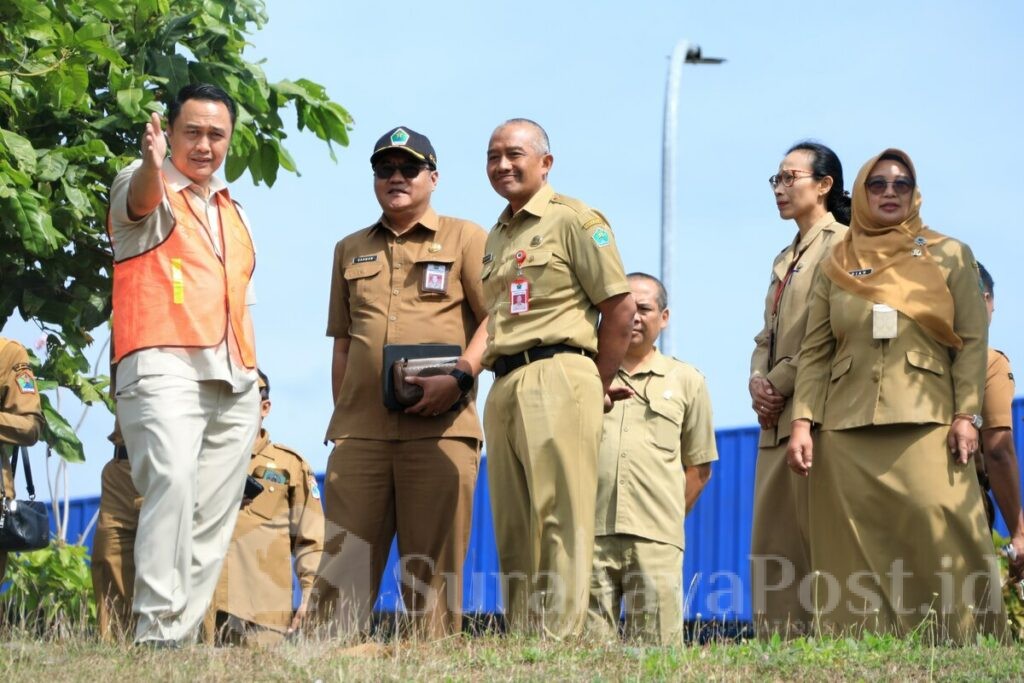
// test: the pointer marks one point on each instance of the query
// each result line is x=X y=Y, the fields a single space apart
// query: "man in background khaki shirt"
x=412 y=277
x=998 y=466
x=551 y=270
x=655 y=460
x=21 y=416
x=252 y=603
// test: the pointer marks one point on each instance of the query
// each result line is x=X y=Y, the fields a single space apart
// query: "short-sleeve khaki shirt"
x=571 y=263
x=286 y=520
x=21 y=415
x=377 y=299
x=997 y=405
x=648 y=440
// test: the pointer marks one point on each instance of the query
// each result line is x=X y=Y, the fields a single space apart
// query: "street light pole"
x=686 y=53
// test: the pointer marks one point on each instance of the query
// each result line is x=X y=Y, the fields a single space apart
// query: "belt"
x=506 y=364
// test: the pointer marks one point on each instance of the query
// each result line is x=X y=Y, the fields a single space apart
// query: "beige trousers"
x=189 y=445
x=543 y=426
x=646 y=579
x=113 y=549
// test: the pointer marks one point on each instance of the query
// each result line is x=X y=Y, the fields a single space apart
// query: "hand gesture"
x=800 y=451
x=440 y=393
x=766 y=401
x=154 y=144
x=962 y=440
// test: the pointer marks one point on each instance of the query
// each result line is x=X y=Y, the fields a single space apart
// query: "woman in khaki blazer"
x=808 y=190
x=892 y=369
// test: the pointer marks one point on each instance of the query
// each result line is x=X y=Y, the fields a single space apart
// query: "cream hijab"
x=878 y=262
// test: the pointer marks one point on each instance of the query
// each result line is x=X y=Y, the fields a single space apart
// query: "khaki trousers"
x=113 y=549
x=189 y=445
x=543 y=429
x=5 y=465
x=645 y=575
x=780 y=548
x=423 y=490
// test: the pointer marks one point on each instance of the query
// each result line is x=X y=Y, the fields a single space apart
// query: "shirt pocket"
x=665 y=424
x=841 y=367
x=426 y=283
x=272 y=502
x=364 y=281
x=537 y=269
x=926 y=362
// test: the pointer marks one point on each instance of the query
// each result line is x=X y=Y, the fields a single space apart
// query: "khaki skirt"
x=899 y=541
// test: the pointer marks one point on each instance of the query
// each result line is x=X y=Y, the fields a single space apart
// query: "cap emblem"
x=399 y=137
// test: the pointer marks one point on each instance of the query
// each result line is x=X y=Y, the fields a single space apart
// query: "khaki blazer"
x=849 y=379
x=777 y=345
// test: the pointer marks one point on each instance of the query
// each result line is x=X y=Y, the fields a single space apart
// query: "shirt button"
x=875 y=376
x=395 y=292
x=397 y=266
x=400 y=240
x=392 y=317
x=625 y=429
x=623 y=454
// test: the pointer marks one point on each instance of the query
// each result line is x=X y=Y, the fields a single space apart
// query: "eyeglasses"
x=408 y=171
x=901 y=186
x=787 y=178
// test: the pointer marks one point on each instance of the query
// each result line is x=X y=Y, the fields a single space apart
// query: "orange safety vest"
x=180 y=293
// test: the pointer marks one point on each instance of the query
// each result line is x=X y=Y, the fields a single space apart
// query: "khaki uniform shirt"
x=377 y=299
x=129 y=238
x=849 y=379
x=571 y=264
x=282 y=522
x=777 y=345
x=997 y=407
x=648 y=440
x=21 y=415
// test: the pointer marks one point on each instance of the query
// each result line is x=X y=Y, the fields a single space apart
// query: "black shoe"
x=158 y=644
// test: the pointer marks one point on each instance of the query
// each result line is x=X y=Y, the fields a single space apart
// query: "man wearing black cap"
x=412 y=277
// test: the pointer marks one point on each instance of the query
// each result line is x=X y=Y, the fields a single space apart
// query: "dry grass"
x=497 y=658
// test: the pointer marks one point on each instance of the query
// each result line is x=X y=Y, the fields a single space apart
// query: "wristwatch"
x=974 y=419
x=463 y=379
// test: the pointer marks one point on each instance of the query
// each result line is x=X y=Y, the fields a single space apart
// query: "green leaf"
x=51 y=165
x=20 y=148
x=59 y=434
x=269 y=161
x=34 y=224
x=129 y=101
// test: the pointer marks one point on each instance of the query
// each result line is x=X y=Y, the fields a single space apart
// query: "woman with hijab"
x=891 y=371
x=808 y=190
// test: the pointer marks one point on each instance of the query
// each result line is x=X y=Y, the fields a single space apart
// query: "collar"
x=428 y=220
x=178 y=181
x=657 y=364
x=537 y=205
x=801 y=243
x=262 y=441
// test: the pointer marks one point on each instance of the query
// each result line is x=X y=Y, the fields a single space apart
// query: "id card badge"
x=435 y=278
x=883 y=322
x=519 y=296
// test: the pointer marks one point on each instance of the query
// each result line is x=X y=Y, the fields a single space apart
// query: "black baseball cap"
x=405 y=139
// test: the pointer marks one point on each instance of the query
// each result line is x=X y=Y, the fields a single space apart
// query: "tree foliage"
x=78 y=80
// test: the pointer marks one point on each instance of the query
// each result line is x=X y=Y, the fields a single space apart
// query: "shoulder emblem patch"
x=26 y=382
x=601 y=237
x=314 y=490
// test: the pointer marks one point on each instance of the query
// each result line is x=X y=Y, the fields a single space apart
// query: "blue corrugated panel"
x=716 y=570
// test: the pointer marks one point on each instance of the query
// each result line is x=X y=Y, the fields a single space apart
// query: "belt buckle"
x=526 y=357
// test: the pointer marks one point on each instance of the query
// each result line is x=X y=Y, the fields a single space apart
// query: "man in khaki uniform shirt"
x=998 y=466
x=21 y=416
x=253 y=599
x=412 y=277
x=551 y=269
x=655 y=459
x=113 y=548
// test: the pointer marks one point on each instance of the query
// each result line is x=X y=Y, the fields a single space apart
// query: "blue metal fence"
x=715 y=570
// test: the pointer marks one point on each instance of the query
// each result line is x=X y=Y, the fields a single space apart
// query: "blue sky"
x=933 y=78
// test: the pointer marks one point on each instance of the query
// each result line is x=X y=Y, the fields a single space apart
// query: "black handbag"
x=24 y=524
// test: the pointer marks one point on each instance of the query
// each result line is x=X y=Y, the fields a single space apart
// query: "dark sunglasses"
x=408 y=171
x=901 y=186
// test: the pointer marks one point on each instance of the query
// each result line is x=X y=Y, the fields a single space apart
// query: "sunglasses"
x=787 y=178
x=408 y=171
x=901 y=186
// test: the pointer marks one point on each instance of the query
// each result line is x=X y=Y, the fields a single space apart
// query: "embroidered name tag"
x=365 y=259
x=862 y=272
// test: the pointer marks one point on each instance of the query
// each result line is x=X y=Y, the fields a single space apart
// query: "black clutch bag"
x=24 y=524
x=409 y=356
